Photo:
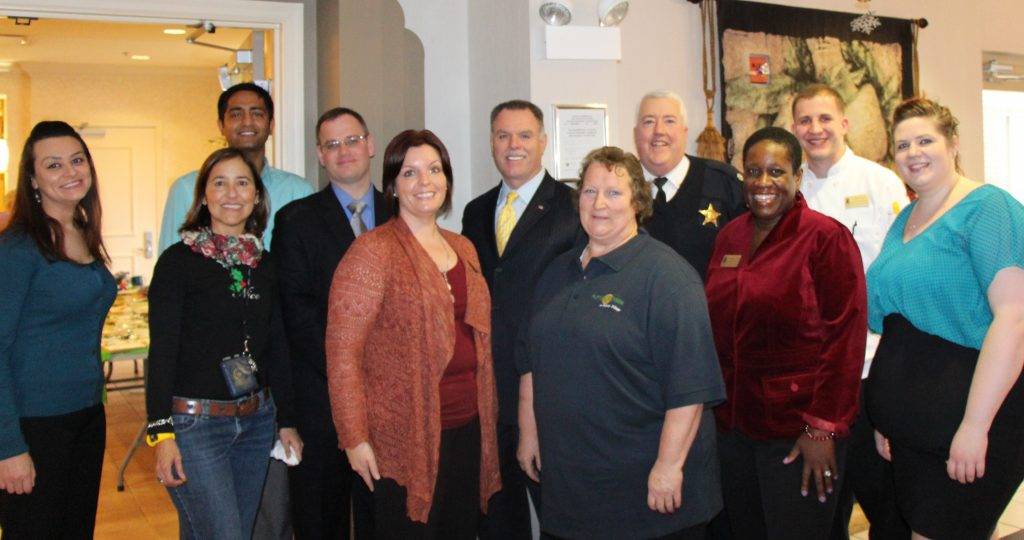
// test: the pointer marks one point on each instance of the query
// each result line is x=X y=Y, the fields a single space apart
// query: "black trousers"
x=762 y=496
x=321 y=487
x=274 y=519
x=455 y=511
x=508 y=511
x=869 y=481
x=67 y=451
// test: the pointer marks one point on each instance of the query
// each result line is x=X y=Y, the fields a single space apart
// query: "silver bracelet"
x=160 y=422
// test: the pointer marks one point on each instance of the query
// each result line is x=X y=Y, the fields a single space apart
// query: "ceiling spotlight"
x=174 y=31
x=557 y=13
x=611 y=12
x=137 y=56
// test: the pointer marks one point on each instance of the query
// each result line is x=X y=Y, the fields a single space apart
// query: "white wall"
x=499 y=70
x=443 y=28
x=475 y=55
x=181 y=103
x=661 y=48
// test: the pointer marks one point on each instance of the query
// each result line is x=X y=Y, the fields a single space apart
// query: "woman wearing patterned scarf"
x=217 y=351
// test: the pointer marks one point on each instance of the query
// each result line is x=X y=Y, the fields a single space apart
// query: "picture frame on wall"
x=578 y=130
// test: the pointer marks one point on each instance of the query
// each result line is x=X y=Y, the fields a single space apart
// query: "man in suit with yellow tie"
x=518 y=227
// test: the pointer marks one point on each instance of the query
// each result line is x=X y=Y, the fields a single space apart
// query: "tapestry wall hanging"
x=770 y=52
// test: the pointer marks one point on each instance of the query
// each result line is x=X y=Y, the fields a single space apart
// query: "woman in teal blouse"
x=55 y=294
x=947 y=294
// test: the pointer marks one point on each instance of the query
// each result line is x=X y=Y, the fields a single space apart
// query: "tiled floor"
x=143 y=511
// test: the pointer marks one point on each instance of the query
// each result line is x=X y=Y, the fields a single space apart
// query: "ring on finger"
x=828 y=473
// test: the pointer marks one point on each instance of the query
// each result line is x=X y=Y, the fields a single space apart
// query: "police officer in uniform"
x=694 y=197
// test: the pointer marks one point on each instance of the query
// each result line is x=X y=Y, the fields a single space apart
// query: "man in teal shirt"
x=245 y=115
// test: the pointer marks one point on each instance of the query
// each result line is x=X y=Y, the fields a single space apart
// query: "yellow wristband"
x=153 y=440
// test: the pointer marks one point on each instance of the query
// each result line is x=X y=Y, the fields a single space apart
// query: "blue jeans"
x=225 y=460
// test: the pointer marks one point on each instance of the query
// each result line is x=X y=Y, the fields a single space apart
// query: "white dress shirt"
x=865 y=197
x=525 y=192
x=675 y=179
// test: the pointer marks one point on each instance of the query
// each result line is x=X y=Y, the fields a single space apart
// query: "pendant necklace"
x=444 y=273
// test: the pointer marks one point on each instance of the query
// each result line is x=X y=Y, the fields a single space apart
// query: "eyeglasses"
x=349 y=142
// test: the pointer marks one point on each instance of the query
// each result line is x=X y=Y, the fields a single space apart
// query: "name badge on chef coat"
x=730 y=261
x=858 y=201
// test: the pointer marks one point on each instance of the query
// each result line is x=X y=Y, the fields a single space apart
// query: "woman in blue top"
x=947 y=294
x=55 y=293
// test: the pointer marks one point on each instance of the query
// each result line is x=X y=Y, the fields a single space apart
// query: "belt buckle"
x=248 y=405
x=191 y=407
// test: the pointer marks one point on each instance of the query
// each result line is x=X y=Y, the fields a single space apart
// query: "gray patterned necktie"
x=358 y=226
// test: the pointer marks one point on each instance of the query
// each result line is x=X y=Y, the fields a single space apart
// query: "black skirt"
x=916 y=395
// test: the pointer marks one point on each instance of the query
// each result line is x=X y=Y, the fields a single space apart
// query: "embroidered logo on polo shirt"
x=609 y=301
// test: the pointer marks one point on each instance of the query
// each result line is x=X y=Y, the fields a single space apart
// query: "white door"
x=1003 y=114
x=126 y=171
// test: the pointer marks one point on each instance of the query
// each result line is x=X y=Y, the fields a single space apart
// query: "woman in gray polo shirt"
x=618 y=374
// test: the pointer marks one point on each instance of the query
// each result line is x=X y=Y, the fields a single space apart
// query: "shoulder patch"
x=724 y=168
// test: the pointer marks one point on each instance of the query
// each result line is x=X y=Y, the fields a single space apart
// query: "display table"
x=126 y=338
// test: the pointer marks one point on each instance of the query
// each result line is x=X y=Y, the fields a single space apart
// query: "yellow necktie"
x=506 y=222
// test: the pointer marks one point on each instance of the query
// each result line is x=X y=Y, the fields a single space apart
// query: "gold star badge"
x=710 y=215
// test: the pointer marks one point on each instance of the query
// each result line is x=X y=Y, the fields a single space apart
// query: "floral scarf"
x=230 y=252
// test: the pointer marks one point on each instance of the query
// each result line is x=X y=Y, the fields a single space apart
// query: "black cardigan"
x=195 y=322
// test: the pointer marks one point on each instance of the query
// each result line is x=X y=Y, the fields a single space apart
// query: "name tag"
x=858 y=201
x=730 y=261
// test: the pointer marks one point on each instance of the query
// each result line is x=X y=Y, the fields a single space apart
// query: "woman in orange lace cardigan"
x=409 y=358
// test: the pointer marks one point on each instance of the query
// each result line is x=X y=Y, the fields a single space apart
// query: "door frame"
x=283 y=17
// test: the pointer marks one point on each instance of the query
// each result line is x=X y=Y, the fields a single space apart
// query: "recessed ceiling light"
x=140 y=57
x=174 y=31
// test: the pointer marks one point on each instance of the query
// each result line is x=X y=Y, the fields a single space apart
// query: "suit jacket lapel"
x=490 y=202
x=381 y=214
x=332 y=213
x=534 y=211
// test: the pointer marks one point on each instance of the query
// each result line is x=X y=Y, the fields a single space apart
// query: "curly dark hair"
x=612 y=157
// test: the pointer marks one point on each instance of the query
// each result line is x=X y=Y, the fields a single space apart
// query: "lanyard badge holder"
x=239 y=370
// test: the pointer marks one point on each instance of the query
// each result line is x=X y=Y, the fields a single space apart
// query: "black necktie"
x=660 y=195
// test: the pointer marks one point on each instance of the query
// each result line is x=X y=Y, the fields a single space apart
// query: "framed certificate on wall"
x=578 y=130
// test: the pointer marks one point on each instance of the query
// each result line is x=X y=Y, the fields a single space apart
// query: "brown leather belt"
x=212 y=407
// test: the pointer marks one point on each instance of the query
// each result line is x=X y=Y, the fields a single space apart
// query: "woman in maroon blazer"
x=787 y=302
